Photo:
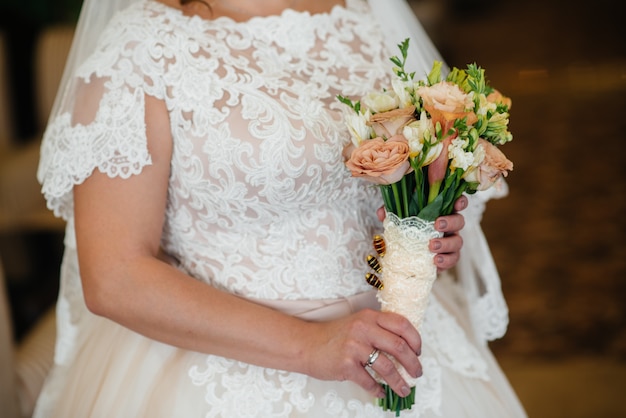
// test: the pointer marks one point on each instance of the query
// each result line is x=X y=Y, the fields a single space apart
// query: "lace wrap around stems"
x=408 y=269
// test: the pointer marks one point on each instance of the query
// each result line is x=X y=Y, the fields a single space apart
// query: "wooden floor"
x=559 y=239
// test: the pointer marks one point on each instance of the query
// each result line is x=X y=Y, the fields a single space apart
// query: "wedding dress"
x=259 y=204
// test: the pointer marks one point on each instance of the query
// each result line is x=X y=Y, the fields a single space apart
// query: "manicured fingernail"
x=405 y=391
x=436 y=245
x=439 y=260
x=443 y=224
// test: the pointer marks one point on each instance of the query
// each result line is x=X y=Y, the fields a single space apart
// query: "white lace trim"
x=478 y=273
x=115 y=143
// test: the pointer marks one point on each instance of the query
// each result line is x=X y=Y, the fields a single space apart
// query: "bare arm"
x=118 y=230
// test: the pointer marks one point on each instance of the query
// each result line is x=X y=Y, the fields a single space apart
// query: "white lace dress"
x=259 y=204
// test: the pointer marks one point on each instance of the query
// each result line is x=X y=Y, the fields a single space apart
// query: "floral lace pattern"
x=259 y=202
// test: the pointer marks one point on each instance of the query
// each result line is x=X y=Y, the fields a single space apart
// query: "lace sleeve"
x=114 y=142
x=99 y=120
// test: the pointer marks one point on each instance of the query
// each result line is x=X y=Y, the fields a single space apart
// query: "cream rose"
x=381 y=102
x=380 y=161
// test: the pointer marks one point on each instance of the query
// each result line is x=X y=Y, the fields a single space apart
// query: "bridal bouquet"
x=425 y=143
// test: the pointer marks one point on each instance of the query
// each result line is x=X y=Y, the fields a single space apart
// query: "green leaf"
x=356 y=106
x=432 y=210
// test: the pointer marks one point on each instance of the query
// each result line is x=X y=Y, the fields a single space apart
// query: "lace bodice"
x=257 y=194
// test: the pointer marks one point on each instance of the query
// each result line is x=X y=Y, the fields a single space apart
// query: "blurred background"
x=558 y=238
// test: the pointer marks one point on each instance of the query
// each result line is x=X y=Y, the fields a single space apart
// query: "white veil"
x=476 y=269
x=399 y=22
x=94 y=17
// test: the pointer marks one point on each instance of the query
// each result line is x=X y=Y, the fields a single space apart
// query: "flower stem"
x=405 y=195
x=434 y=191
x=397 y=200
x=396 y=403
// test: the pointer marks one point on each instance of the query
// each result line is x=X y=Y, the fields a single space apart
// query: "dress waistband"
x=323 y=309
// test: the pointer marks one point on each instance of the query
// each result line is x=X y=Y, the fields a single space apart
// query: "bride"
x=215 y=241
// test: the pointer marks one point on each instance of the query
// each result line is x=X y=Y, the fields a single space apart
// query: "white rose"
x=381 y=102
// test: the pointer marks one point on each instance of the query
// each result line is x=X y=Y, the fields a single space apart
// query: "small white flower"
x=460 y=157
x=418 y=133
x=403 y=91
x=358 y=125
x=433 y=153
x=485 y=106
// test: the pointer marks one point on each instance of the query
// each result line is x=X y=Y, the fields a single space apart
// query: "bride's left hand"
x=448 y=248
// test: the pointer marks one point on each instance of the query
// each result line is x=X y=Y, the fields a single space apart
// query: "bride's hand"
x=340 y=349
x=448 y=248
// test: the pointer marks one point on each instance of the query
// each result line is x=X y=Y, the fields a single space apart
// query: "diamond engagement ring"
x=372 y=358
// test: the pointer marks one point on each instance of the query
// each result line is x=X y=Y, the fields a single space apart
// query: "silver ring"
x=372 y=358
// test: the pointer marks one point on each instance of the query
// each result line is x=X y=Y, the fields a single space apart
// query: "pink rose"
x=380 y=161
x=446 y=102
x=390 y=123
x=494 y=165
x=497 y=98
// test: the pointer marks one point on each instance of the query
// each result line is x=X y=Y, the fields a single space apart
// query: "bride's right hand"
x=339 y=350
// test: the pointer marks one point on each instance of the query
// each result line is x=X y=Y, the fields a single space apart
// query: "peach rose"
x=446 y=102
x=380 y=161
x=494 y=165
x=388 y=124
x=498 y=98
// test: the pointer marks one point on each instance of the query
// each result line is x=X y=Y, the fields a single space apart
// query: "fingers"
x=381 y=213
x=387 y=370
x=397 y=338
x=403 y=335
x=447 y=261
x=450 y=224
x=461 y=203
x=392 y=335
x=367 y=382
x=446 y=245
x=447 y=251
